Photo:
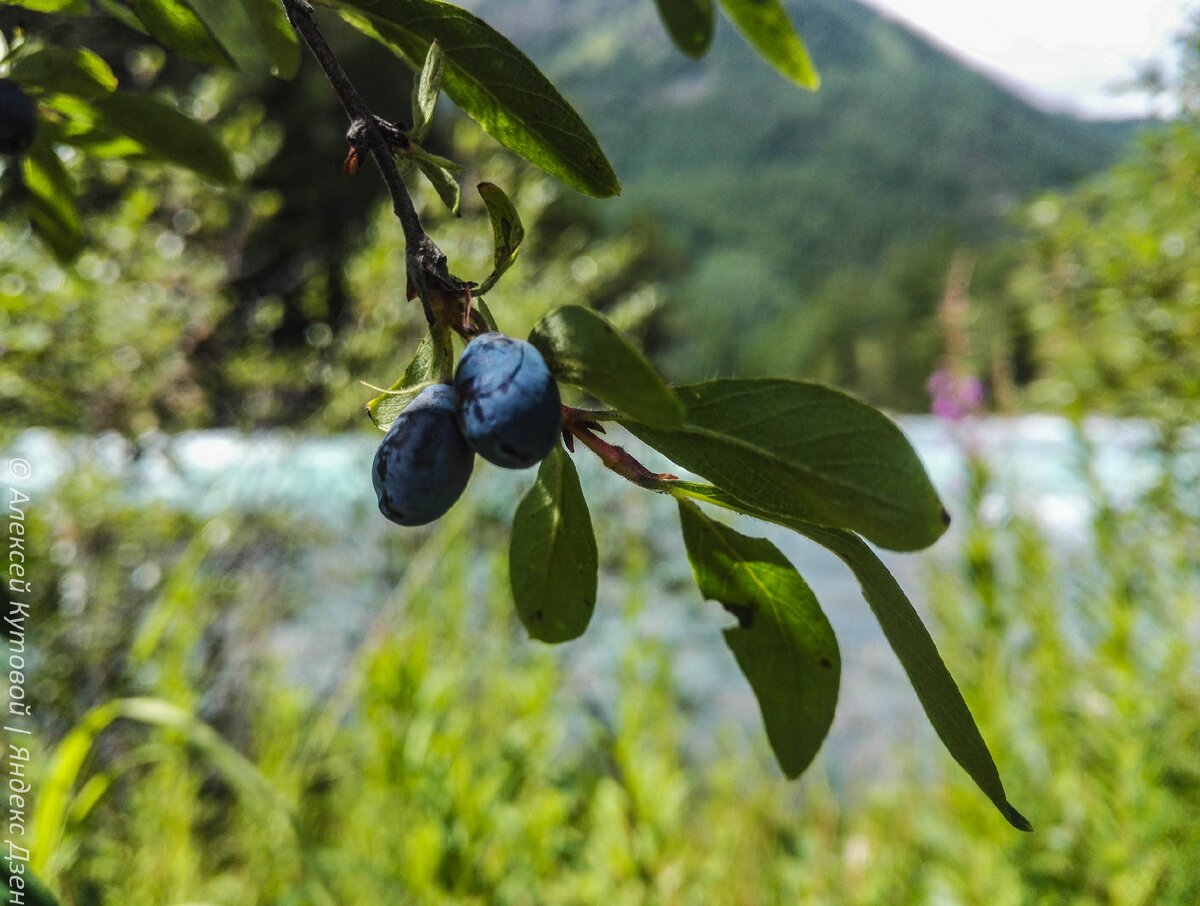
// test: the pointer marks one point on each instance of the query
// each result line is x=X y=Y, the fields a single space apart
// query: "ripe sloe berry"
x=18 y=119
x=424 y=463
x=508 y=403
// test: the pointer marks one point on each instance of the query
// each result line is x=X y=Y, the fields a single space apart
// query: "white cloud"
x=1064 y=54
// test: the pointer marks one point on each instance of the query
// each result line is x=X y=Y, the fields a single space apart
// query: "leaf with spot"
x=906 y=634
x=507 y=232
x=582 y=348
x=690 y=23
x=493 y=83
x=552 y=559
x=811 y=451
x=783 y=642
x=765 y=24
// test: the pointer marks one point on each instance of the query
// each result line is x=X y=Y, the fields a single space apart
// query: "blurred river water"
x=1039 y=468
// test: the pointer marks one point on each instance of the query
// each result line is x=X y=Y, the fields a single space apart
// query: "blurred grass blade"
x=67 y=760
x=690 y=23
x=552 y=559
x=765 y=24
x=175 y=24
x=507 y=232
x=783 y=642
x=582 y=348
x=493 y=83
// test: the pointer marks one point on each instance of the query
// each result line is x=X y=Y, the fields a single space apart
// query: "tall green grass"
x=449 y=760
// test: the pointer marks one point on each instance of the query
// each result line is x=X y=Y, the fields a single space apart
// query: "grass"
x=448 y=760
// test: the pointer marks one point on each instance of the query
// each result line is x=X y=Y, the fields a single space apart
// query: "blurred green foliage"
x=1110 y=286
x=415 y=774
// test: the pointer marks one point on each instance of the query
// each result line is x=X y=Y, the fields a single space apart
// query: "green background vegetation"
x=448 y=759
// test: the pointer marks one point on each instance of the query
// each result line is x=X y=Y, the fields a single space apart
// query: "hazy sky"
x=1066 y=54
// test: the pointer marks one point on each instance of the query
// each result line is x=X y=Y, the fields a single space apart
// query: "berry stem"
x=428 y=275
x=577 y=423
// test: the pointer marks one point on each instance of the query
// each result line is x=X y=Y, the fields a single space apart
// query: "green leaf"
x=59 y=70
x=906 y=634
x=425 y=369
x=582 y=348
x=175 y=24
x=783 y=642
x=425 y=92
x=507 y=232
x=488 y=318
x=808 y=450
x=276 y=36
x=690 y=24
x=493 y=83
x=765 y=24
x=51 y=198
x=165 y=134
x=552 y=560
x=443 y=182
x=59 y=7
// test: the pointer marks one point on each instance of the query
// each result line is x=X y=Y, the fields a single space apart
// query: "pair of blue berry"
x=503 y=405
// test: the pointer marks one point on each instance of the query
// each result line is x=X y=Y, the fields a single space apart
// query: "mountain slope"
x=783 y=188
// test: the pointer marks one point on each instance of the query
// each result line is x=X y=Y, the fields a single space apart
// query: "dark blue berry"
x=18 y=119
x=424 y=462
x=508 y=403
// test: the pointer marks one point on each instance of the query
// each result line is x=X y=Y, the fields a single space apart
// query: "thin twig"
x=300 y=14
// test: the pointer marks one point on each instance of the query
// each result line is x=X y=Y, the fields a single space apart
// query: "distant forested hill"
x=773 y=191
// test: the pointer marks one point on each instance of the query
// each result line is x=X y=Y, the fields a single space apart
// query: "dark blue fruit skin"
x=18 y=119
x=424 y=462
x=508 y=403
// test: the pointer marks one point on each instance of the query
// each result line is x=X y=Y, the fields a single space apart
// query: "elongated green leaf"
x=488 y=318
x=276 y=35
x=165 y=134
x=60 y=7
x=51 y=198
x=493 y=83
x=552 y=560
x=906 y=634
x=783 y=641
x=443 y=182
x=765 y=24
x=806 y=449
x=582 y=348
x=689 y=23
x=426 y=90
x=422 y=371
x=507 y=232
x=56 y=69
x=176 y=25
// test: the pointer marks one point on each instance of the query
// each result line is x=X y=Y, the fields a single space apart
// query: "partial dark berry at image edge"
x=424 y=463
x=18 y=119
x=508 y=402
